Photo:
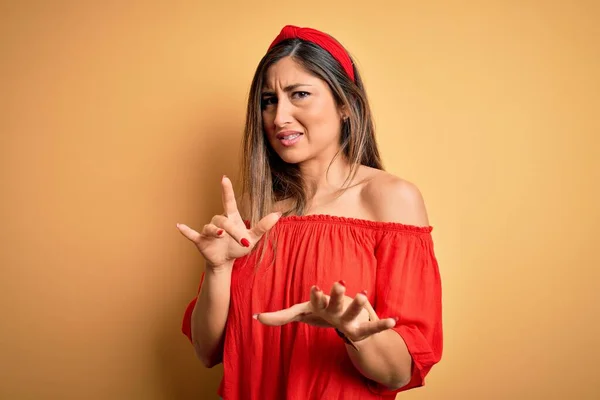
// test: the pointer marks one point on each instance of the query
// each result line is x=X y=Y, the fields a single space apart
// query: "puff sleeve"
x=408 y=286
x=186 y=323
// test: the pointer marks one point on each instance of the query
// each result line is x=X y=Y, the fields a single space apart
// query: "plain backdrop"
x=118 y=119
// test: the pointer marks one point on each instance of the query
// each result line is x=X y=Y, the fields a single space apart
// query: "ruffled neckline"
x=334 y=219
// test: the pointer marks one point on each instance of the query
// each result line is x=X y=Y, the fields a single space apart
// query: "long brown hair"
x=266 y=178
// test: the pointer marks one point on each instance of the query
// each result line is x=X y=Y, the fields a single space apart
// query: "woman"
x=318 y=211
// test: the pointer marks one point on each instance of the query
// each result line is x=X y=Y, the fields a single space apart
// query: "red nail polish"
x=341 y=282
x=364 y=292
x=220 y=232
x=245 y=242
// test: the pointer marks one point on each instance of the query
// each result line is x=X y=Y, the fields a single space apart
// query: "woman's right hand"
x=226 y=237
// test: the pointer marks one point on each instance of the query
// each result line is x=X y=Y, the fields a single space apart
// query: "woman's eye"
x=300 y=95
x=267 y=101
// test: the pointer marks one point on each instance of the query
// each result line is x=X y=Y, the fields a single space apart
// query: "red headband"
x=321 y=39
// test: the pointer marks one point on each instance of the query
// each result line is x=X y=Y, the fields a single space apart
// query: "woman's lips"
x=289 y=138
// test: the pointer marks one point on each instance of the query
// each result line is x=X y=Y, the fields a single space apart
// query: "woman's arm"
x=383 y=358
x=222 y=241
x=210 y=315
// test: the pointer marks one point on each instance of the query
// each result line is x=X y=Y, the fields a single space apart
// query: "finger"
x=264 y=225
x=314 y=320
x=373 y=327
x=355 y=308
x=189 y=232
x=282 y=317
x=372 y=314
x=318 y=299
x=211 y=230
x=228 y=197
x=336 y=303
x=240 y=235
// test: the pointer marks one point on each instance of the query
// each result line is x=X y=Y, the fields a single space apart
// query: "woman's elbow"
x=398 y=383
x=399 y=379
x=208 y=360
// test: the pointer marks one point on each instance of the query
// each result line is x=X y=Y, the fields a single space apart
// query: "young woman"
x=324 y=283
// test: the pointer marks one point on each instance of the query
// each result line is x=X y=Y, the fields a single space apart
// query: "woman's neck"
x=324 y=178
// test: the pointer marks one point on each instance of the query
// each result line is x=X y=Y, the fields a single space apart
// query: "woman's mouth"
x=289 y=138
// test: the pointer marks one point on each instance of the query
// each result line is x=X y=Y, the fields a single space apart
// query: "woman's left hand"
x=355 y=318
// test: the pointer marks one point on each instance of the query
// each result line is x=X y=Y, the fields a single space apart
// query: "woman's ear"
x=344 y=113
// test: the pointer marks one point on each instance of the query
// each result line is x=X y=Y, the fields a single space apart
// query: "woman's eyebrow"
x=288 y=88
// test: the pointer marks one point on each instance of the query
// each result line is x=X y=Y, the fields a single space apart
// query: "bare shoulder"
x=392 y=199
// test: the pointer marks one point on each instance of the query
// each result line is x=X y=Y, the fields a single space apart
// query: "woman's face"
x=300 y=116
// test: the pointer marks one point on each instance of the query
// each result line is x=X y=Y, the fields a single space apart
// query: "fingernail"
x=364 y=292
x=395 y=320
x=220 y=232
x=255 y=316
x=318 y=289
x=341 y=282
x=245 y=242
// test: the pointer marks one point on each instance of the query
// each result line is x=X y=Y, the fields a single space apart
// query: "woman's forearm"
x=383 y=358
x=210 y=315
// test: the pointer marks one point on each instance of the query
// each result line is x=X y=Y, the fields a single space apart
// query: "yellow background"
x=117 y=120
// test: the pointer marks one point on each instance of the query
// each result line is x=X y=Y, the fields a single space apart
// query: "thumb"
x=282 y=317
x=264 y=225
x=188 y=232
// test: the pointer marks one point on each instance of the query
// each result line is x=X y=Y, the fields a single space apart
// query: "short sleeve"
x=408 y=286
x=186 y=325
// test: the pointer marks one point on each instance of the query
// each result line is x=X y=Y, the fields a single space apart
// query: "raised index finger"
x=228 y=197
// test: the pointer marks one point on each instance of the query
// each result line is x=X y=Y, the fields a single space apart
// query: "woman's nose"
x=283 y=114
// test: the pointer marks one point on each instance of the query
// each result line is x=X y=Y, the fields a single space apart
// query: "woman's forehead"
x=287 y=72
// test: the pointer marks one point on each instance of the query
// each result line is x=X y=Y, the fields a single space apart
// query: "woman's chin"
x=291 y=157
x=292 y=160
